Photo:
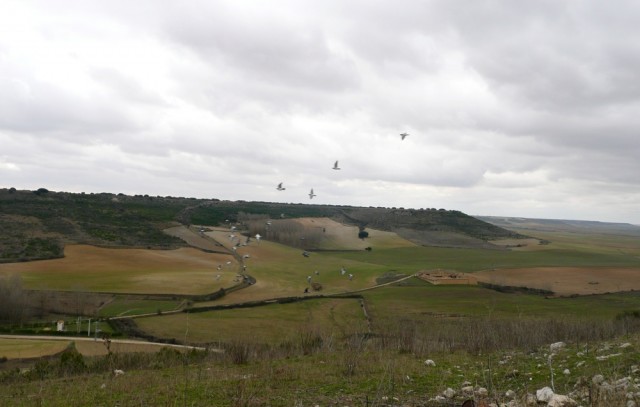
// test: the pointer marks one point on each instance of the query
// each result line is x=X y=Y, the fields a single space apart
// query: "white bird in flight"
x=404 y=135
x=280 y=187
x=311 y=194
x=335 y=166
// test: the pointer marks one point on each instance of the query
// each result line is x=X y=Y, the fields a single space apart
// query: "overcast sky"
x=514 y=108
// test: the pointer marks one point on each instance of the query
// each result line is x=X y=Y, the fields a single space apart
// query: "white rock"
x=467 y=390
x=429 y=362
x=579 y=364
x=555 y=347
x=510 y=394
x=531 y=400
x=118 y=372
x=482 y=392
x=544 y=394
x=605 y=357
x=559 y=400
x=597 y=379
x=631 y=403
x=625 y=345
x=623 y=383
x=566 y=372
x=449 y=393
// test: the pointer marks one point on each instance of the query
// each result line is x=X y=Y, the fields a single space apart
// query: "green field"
x=347 y=351
x=124 y=307
x=274 y=323
x=419 y=299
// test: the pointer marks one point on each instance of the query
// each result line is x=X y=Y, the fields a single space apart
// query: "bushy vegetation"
x=39 y=223
x=320 y=369
x=12 y=299
x=349 y=347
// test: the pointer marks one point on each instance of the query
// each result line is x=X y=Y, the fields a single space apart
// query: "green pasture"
x=139 y=280
x=124 y=307
x=419 y=299
x=411 y=259
x=605 y=243
x=275 y=323
x=282 y=271
x=354 y=376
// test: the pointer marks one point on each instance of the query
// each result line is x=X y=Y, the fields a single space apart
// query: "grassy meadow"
x=120 y=307
x=368 y=349
x=272 y=324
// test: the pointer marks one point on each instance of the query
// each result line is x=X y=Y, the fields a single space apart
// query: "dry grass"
x=97 y=348
x=31 y=348
x=193 y=238
x=344 y=237
x=566 y=280
x=89 y=268
x=15 y=349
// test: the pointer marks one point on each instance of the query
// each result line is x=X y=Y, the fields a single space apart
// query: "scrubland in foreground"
x=399 y=367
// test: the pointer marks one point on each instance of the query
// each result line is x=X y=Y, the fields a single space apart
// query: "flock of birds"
x=335 y=167
x=234 y=238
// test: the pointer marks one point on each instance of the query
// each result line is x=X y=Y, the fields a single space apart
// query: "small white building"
x=60 y=326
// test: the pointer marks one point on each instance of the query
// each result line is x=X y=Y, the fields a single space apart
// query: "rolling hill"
x=38 y=224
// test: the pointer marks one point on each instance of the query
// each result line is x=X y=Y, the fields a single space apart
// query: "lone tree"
x=363 y=234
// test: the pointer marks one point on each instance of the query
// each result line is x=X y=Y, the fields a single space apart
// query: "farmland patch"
x=566 y=280
x=90 y=268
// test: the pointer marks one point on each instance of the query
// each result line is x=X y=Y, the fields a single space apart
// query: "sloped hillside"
x=37 y=224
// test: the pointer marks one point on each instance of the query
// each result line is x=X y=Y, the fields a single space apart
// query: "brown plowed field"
x=90 y=268
x=565 y=281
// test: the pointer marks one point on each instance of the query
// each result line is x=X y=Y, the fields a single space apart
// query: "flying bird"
x=280 y=187
x=404 y=135
x=311 y=194
x=335 y=166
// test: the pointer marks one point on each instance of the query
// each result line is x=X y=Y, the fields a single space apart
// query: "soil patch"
x=345 y=237
x=442 y=277
x=565 y=281
x=89 y=268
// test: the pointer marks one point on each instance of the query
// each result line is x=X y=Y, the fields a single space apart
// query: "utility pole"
x=89 y=328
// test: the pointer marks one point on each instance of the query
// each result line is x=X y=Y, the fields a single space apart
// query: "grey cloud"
x=261 y=48
x=125 y=87
x=531 y=104
x=29 y=105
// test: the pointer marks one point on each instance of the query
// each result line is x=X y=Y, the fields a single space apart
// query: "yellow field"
x=566 y=280
x=34 y=348
x=89 y=268
x=30 y=348
x=343 y=237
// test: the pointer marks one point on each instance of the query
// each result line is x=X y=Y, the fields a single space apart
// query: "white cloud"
x=524 y=109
